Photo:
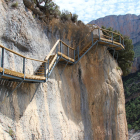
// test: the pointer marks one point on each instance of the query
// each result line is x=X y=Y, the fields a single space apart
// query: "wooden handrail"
x=111 y=32
x=105 y=30
x=107 y=36
x=20 y=54
x=102 y=30
x=53 y=48
x=67 y=45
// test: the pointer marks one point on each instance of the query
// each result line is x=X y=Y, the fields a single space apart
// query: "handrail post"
x=112 y=37
x=99 y=32
x=120 y=38
x=60 y=46
x=45 y=71
x=78 y=52
x=24 y=66
x=92 y=37
x=74 y=55
x=68 y=51
x=57 y=49
x=2 y=60
x=48 y=70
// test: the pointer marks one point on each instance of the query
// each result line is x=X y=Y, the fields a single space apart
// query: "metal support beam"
x=56 y=49
x=15 y=88
x=74 y=55
x=78 y=52
x=58 y=57
x=61 y=49
x=68 y=51
x=24 y=66
x=99 y=33
x=2 y=60
x=86 y=51
x=48 y=70
x=45 y=67
x=64 y=67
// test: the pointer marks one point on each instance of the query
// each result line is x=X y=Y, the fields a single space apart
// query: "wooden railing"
x=62 y=47
x=110 y=35
x=22 y=56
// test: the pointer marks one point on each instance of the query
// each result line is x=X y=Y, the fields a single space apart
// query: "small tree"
x=48 y=7
x=65 y=15
x=74 y=18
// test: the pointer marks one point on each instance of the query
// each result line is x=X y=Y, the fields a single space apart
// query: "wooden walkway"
x=60 y=53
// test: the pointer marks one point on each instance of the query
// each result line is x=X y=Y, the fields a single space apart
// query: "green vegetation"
x=131 y=87
x=15 y=5
x=65 y=15
x=131 y=84
x=11 y=133
x=118 y=68
x=137 y=49
x=133 y=114
x=50 y=10
x=125 y=57
x=74 y=18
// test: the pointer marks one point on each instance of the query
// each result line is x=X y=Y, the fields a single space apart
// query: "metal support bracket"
x=78 y=52
x=74 y=55
x=15 y=88
x=45 y=65
x=86 y=51
x=2 y=60
x=24 y=67
x=64 y=67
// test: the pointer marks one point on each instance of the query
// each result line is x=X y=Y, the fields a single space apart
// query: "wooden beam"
x=53 y=48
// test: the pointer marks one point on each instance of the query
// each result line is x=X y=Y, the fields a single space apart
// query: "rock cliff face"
x=127 y=24
x=86 y=101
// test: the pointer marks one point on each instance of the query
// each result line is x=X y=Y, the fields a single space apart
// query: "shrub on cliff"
x=74 y=18
x=48 y=7
x=125 y=57
x=65 y=15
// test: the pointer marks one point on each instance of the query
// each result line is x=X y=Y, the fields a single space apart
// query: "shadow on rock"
x=14 y=105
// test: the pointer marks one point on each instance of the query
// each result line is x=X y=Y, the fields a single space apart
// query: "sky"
x=88 y=10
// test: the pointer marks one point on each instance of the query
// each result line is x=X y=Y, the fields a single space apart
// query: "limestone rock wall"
x=84 y=102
